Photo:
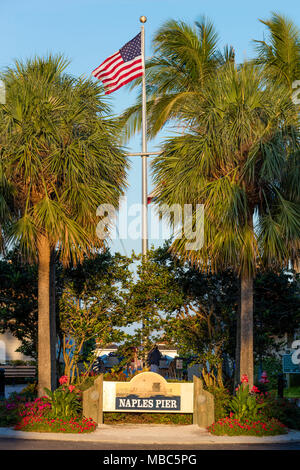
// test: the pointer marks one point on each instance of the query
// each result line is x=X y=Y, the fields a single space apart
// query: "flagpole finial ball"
x=143 y=19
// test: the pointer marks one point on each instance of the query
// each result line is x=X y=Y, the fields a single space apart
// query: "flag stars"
x=131 y=49
x=115 y=71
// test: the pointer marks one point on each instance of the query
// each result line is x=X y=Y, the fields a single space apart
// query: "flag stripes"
x=121 y=67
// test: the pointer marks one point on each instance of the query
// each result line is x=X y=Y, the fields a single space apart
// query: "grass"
x=292 y=392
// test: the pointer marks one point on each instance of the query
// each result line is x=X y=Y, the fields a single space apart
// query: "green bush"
x=9 y=415
x=283 y=409
x=29 y=393
x=273 y=366
x=246 y=405
x=88 y=382
x=19 y=362
x=221 y=400
x=64 y=401
x=148 y=418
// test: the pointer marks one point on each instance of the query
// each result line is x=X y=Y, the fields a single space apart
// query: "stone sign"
x=154 y=403
x=149 y=392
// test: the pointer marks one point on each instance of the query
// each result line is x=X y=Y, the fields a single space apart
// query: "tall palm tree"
x=279 y=54
x=185 y=57
x=61 y=159
x=240 y=159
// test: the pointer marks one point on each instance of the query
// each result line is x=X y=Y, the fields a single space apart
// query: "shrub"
x=64 y=401
x=283 y=409
x=116 y=376
x=148 y=418
x=246 y=405
x=271 y=365
x=9 y=414
x=29 y=393
x=221 y=400
x=87 y=383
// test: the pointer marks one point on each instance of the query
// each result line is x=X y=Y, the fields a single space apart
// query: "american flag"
x=121 y=67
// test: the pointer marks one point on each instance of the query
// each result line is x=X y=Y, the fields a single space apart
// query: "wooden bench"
x=15 y=372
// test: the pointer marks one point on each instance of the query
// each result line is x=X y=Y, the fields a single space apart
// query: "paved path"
x=151 y=435
x=36 y=445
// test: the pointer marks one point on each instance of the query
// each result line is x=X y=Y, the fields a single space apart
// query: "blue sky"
x=88 y=31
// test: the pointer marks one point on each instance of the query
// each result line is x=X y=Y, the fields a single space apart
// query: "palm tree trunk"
x=296 y=265
x=44 y=339
x=53 y=318
x=246 y=328
x=238 y=340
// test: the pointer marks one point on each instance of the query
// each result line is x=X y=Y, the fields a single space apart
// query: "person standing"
x=154 y=357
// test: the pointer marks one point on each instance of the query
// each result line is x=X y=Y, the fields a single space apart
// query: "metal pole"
x=143 y=20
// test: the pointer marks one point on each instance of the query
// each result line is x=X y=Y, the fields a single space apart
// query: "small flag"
x=121 y=67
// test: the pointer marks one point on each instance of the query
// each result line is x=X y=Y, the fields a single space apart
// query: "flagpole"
x=143 y=20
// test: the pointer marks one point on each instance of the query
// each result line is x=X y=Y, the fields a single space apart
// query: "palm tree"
x=280 y=56
x=185 y=57
x=239 y=159
x=61 y=159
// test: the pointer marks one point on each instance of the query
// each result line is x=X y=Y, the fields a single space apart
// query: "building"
x=8 y=346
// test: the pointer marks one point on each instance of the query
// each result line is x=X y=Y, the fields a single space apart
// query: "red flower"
x=244 y=378
x=64 y=379
x=71 y=388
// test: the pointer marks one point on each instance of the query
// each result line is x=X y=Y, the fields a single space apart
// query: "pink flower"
x=264 y=378
x=71 y=388
x=263 y=381
x=244 y=378
x=64 y=379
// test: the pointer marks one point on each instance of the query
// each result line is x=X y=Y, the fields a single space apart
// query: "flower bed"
x=47 y=424
x=38 y=416
x=250 y=414
x=233 y=427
